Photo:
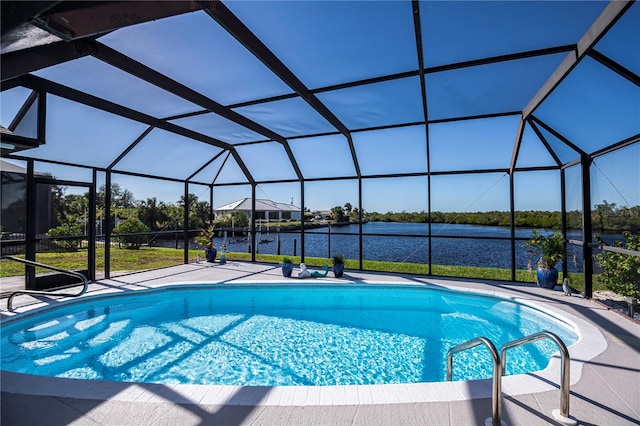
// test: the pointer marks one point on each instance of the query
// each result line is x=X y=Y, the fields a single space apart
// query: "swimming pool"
x=276 y=334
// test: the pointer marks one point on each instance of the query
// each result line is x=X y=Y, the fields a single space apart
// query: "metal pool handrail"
x=496 y=397
x=46 y=293
x=563 y=414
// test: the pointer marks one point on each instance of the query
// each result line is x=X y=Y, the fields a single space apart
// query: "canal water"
x=452 y=244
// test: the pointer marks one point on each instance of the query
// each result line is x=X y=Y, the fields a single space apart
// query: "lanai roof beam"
x=605 y=21
x=223 y=16
x=131 y=66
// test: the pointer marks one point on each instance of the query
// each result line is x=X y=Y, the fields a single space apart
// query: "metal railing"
x=499 y=369
x=496 y=394
x=84 y=280
x=563 y=414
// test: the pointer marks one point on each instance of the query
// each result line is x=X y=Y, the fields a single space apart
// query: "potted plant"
x=205 y=238
x=287 y=267
x=548 y=250
x=338 y=265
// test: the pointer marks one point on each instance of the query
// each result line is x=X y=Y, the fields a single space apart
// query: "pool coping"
x=590 y=343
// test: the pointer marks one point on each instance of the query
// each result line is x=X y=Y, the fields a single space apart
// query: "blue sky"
x=351 y=41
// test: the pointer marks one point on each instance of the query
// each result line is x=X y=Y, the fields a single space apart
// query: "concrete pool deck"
x=605 y=373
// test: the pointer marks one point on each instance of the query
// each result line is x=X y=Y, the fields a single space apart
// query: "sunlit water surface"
x=277 y=335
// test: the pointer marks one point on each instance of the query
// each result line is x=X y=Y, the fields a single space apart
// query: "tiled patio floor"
x=605 y=375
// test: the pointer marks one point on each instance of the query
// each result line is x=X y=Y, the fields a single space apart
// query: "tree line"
x=156 y=215
x=159 y=215
x=605 y=217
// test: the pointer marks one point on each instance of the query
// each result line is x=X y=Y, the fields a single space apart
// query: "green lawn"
x=153 y=258
x=121 y=260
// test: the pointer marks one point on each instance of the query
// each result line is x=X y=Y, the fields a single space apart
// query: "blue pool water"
x=264 y=334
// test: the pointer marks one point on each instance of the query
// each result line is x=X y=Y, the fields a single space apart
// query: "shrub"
x=621 y=272
x=128 y=227
x=66 y=230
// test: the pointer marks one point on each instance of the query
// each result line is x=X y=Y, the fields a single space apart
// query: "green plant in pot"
x=287 y=266
x=338 y=265
x=205 y=237
x=547 y=250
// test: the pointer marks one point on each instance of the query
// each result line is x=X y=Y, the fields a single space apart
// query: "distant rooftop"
x=261 y=205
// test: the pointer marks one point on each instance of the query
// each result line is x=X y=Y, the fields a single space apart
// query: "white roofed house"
x=266 y=210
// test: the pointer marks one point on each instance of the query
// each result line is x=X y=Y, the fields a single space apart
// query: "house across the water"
x=265 y=210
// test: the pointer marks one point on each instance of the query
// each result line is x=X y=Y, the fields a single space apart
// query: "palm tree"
x=152 y=213
x=198 y=211
x=338 y=214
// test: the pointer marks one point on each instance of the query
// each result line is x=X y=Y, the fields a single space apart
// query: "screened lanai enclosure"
x=400 y=134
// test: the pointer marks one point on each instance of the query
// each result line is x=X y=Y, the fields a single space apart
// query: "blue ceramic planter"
x=338 y=270
x=547 y=278
x=287 y=268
